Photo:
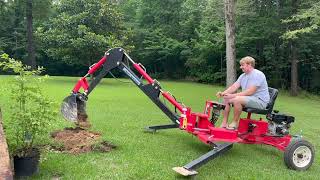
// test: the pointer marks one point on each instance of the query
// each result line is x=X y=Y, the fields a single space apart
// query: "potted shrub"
x=30 y=114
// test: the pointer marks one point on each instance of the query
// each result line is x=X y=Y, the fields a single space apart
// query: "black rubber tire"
x=289 y=154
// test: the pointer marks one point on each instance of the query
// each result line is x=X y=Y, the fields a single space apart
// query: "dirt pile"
x=78 y=140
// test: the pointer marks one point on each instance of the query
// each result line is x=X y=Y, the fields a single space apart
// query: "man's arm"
x=233 y=88
x=248 y=92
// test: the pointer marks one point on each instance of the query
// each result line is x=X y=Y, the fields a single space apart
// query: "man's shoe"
x=231 y=128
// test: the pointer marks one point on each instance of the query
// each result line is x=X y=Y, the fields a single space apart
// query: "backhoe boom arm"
x=115 y=58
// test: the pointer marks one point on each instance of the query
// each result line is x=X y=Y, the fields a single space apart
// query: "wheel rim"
x=302 y=156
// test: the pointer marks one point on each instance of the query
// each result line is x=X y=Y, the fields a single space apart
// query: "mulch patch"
x=78 y=140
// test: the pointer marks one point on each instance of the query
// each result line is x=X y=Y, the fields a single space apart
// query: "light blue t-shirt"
x=258 y=79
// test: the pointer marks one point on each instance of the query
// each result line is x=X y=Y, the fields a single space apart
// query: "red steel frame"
x=199 y=125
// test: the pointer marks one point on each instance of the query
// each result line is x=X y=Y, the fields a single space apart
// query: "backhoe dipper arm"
x=114 y=58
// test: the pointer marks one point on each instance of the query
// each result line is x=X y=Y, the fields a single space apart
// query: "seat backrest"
x=273 y=96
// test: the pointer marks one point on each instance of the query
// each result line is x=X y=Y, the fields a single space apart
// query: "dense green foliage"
x=182 y=39
x=120 y=111
x=81 y=30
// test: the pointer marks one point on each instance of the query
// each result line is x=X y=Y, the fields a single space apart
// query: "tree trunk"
x=294 y=70
x=260 y=51
x=293 y=58
x=31 y=61
x=230 y=41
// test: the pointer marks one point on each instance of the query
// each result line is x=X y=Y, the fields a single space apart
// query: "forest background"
x=173 y=39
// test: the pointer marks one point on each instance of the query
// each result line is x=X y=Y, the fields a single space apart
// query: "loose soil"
x=83 y=121
x=78 y=140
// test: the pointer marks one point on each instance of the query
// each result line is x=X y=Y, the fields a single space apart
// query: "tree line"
x=176 y=39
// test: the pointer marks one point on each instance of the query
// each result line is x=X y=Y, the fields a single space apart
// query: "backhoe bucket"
x=72 y=106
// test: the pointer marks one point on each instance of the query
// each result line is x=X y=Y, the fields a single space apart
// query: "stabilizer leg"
x=189 y=169
x=155 y=128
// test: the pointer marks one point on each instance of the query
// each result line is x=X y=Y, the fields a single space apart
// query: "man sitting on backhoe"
x=254 y=92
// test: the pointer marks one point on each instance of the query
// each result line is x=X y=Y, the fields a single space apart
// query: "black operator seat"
x=273 y=96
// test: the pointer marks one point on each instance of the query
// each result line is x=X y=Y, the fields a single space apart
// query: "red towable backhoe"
x=298 y=153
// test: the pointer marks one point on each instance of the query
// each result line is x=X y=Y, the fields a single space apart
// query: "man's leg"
x=238 y=102
x=226 y=112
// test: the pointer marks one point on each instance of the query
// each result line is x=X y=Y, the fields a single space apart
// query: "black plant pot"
x=28 y=164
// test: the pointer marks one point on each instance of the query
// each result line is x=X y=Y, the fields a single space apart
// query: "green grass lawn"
x=120 y=111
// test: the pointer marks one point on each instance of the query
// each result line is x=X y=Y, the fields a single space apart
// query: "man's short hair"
x=248 y=60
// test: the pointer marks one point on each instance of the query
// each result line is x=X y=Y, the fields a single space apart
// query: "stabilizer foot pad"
x=149 y=130
x=185 y=172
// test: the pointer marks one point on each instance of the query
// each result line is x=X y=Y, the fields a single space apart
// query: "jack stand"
x=189 y=169
x=153 y=129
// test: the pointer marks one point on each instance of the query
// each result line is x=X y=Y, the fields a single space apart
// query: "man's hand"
x=229 y=96
x=219 y=94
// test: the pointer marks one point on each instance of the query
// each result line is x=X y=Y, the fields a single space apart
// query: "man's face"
x=245 y=67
